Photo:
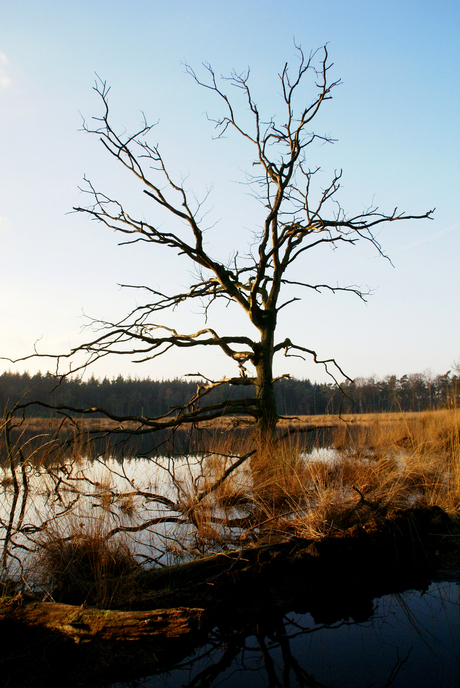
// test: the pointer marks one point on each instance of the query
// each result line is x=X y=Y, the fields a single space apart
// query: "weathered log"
x=84 y=624
x=164 y=601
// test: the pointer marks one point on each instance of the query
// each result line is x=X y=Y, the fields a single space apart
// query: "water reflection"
x=412 y=639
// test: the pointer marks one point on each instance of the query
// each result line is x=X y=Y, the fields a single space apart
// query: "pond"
x=410 y=639
x=370 y=638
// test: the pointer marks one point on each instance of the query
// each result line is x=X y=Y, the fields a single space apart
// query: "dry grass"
x=386 y=463
x=380 y=463
x=226 y=425
x=82 y=566
x=375 y=465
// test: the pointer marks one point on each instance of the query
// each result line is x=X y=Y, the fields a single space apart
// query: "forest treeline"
x=146 y=397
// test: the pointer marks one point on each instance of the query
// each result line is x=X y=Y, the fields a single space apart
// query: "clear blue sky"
x=396 y=118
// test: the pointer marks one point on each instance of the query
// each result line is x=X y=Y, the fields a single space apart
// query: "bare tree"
x=298 y=218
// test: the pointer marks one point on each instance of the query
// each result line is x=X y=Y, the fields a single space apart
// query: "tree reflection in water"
x=411 y=639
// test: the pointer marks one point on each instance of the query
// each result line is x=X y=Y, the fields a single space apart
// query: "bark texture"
x=83 y=624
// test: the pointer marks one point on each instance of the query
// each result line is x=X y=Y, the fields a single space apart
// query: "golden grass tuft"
x=381 y=463
x=384 y=464
x=84 y=567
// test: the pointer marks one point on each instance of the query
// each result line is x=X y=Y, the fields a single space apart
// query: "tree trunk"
x=262 y=462
x=267 y=415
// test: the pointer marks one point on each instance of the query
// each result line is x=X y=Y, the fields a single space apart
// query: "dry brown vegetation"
x=84 y=566
x=376 y=464
x=228 y=498
x=40 y=424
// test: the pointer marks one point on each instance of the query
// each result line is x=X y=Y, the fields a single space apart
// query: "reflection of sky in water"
x=413 y=640
x=323 y=454
x=89 y=495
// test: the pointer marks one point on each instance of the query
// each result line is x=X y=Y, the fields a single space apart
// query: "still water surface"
x=411 y=639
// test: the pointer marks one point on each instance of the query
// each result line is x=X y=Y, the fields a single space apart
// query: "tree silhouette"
x=299 y=217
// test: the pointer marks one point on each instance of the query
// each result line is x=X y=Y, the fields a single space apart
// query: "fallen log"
x=176 y=600
x=84 y=624
x=169 y=612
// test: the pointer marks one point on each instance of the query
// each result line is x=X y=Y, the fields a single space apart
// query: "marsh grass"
x=79 y=565
x=381 y=466
x=374 y=466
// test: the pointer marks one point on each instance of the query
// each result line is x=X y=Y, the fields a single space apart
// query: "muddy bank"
x=333 y=579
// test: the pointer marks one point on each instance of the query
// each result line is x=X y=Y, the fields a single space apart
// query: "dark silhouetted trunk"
x=267 y=415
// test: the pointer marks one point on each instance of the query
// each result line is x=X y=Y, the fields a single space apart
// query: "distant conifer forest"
x=151 y=398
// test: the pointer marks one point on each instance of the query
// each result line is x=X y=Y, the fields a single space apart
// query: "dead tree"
x=299 y=217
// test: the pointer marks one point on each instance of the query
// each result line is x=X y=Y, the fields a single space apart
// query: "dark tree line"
x=153 y=398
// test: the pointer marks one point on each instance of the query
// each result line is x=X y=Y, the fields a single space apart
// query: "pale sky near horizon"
x=396 y=118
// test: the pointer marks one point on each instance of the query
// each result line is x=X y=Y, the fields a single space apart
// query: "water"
x=96 y=496
x=411 y=639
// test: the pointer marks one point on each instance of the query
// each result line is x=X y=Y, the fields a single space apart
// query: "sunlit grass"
x=374 y=466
